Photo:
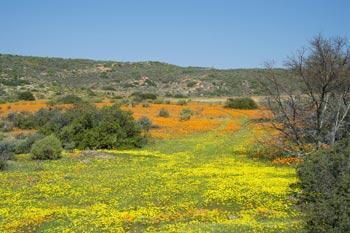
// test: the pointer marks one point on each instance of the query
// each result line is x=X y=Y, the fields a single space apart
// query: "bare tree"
x=315 y=109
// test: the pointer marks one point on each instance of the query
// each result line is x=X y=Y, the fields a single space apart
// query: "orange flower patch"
x=287 y=161
x=206 y=116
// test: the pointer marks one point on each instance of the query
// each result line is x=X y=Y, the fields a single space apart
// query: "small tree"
x=315 y=110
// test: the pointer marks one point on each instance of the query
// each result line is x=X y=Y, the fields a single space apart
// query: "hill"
x=52 y=76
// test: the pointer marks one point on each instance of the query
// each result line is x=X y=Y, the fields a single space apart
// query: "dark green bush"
x=49 y=147
x=89 y=127
x=163 y=113
x=241 y=103
x=186 y=114
x=325 y=184
x=25 y=95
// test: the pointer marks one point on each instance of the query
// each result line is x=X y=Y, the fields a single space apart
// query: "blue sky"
x=216 y=33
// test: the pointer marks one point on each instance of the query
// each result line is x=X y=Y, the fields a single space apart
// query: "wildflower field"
x=194 y=176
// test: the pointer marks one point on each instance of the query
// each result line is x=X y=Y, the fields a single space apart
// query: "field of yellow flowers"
x=201 y=182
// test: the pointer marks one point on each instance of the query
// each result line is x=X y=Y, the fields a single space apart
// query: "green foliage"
x=6 y=152
x=68 y=99
x=23 y=146
x=25 y=95
x=186 y=114
x=182 y=102
x=241 y=103
x=49 y=147
x=163 y=113
x=22 y=120
x=140 y=96
x=325 y=184
x=163 y=78
x=108 y=88
x=14 y=82
x=104 y=75
x=191 y=83
x=89 y=127
x=145 y=123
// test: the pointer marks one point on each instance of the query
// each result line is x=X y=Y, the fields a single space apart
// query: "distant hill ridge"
x=127 y=77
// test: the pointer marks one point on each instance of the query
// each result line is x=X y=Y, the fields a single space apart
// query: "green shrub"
x=139 y=96
x=25 y=95
x=21 y=120
x=145 y=123
x=191 y=83
x=178 y=95
x=108 y=88
x=325 y=184
x=163 y=113
x=49 y=147
x=24 y=146
x=158 y=101
x=241 y=103
x=6 y=126
x=182 y=102
x=91 y=128
x=14 y=82
x=6 y=152
x=186 y=114
x=68 y=99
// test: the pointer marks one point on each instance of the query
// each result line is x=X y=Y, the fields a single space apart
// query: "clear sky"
x=216 y=33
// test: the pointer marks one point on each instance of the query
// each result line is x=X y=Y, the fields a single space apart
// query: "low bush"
x=6 y=126
x=68 y=99
x=178 y=95
x=241 y=103
x=325 y=184
x=24 y=146
x=163 y=113
x=21 y=120
x=182 y=102
x=49 y=147
x=186 y=114
x=25 y=95
x=158 y=101
x=6 y=152
x=139 y=96
x=145 y=123
x=108 y=88
x=14 y=82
